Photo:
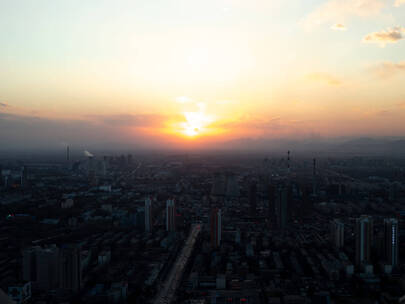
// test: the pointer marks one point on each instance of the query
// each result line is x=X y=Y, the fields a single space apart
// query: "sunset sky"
x=198 y=73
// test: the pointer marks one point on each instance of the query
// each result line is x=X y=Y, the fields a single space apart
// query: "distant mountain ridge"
x=363 y=145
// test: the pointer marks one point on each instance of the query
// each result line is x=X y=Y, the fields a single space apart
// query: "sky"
x=188 y=73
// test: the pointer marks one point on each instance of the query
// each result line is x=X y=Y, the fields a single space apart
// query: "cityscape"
x=202 y=152
x=202 y=228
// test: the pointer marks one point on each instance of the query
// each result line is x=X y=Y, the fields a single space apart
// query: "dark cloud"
x=2 y=104
x=270 y=124
x=128 y=120
x=121 y=132
x=270 y=127
x=18 y=131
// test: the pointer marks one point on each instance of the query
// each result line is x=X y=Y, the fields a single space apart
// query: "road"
x=167 y=289
x=128 y=175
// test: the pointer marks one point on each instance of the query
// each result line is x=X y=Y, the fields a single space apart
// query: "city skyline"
x=202 y=227
x=202 y=152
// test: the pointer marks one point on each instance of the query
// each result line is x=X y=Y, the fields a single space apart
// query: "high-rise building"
x=6 y=182
x=252 y=199
x=364 y=239
x=70 y=268
x=337 y=233
x=218 y=186
x=47 y=268
x=29 y=264
x=104 y=165
x=40 y=266
x=92 y=170
x=282 y=207
x=272 y=205
x=232 y=186
x=216 y=227
x=24 y=176
x=391 y=241
x=148 y=214
x=91 y=165
x=272 y=199
x=170 y=215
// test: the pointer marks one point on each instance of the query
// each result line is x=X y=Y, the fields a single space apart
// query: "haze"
x=199 y=74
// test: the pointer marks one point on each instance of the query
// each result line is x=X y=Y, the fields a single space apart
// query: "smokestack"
x=67 y=153
x=288 y=161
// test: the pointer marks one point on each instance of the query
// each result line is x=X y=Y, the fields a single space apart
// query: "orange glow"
x=195 y=124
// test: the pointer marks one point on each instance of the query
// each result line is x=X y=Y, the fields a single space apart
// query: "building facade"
x=216 y=227
x=337 y=233
x=148 y=214
x=364 y=239
x=70 y=268
x=391 y=241
x=170 y=216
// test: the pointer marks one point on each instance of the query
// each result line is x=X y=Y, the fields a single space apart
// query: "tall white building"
x=337 y=233
x=148 y=214
x=170 y=215
x=391 y=241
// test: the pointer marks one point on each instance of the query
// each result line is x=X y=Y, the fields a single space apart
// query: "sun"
x=189 y=131
x=196 y=123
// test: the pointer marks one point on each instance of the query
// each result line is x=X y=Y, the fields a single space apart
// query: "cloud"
x=388 y=69
x=324 y=77
x=385 y=36
x=338 y=27
x=250 y=123
x=128 y=120
x=398 y=3
x=253 y=126
x=383 y=113
x=335 y=11
x=4 y=105
x=25 y=131
x=183 y=99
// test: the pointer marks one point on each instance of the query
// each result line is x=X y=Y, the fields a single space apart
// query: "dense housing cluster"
x=202 y=228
